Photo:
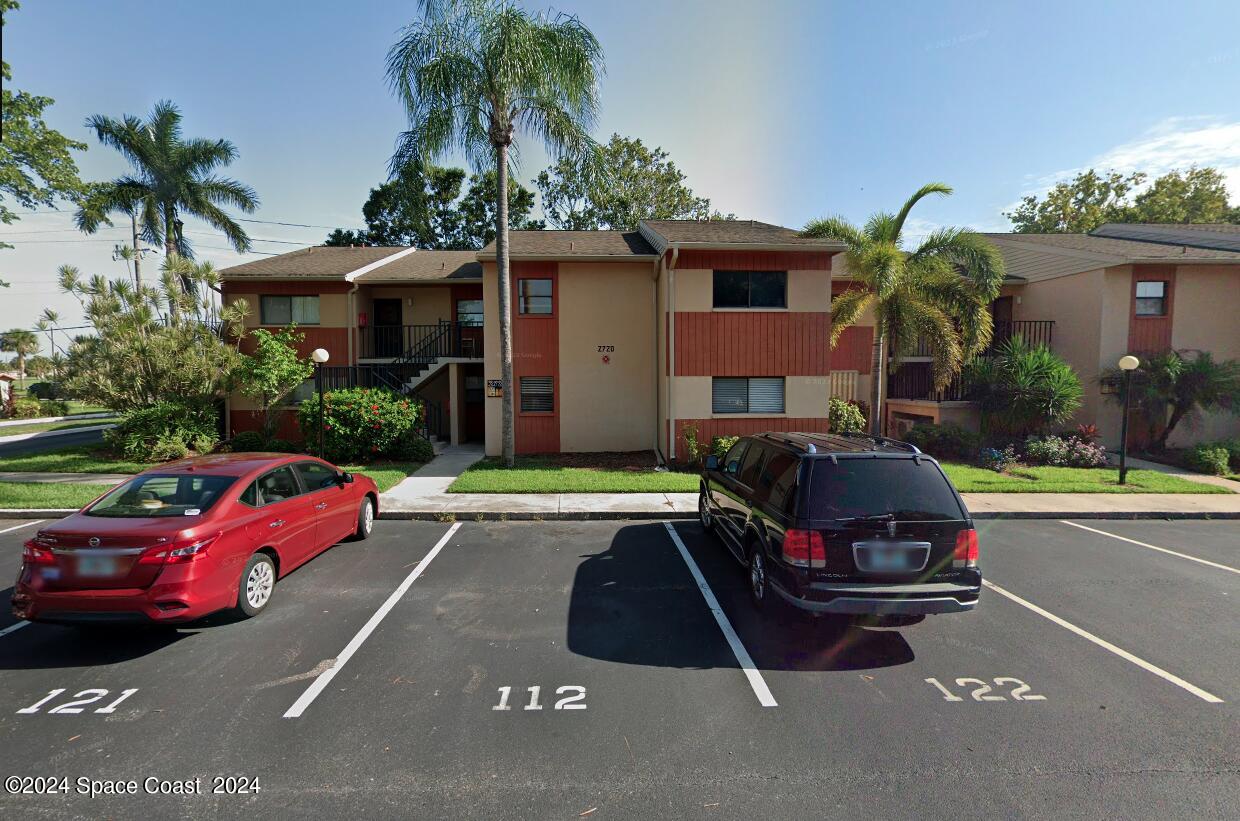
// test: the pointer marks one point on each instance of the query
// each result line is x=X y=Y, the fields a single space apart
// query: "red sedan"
x=190 y=538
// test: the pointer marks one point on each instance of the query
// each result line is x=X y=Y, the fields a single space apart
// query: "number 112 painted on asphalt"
x=575 y=701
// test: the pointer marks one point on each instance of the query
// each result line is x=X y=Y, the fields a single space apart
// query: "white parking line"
x=742 y=655
x=1153 y=547
x=1106 y=645
x=320 y=683
x=19 y=527
x=13 y=628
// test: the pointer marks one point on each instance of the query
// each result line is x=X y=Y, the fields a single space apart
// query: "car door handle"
x=320 y=506
x=276 y=523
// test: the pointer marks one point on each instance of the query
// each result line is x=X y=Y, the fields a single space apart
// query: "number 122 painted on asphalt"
x=576 y=701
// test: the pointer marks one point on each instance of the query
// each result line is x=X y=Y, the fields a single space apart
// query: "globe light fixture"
x=1127 y=364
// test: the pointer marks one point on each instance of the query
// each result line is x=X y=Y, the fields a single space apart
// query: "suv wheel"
x=704 y=515
x=759 y=585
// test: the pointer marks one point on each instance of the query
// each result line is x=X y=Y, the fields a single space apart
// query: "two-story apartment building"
x=620 y=339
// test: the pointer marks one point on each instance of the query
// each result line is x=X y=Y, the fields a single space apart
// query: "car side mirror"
x=346 y=478
x=712 y=462
x=732 y=467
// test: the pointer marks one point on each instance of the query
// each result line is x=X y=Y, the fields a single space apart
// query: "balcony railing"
x=1034 y=332
x=914 y=380
x=420 y=342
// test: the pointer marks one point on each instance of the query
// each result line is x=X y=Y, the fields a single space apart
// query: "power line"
x=238 y=219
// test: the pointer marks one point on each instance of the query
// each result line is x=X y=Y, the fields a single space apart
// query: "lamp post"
x=320 y=357
x=1127 y=364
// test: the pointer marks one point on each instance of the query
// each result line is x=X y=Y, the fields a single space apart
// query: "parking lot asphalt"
x=1102 y=677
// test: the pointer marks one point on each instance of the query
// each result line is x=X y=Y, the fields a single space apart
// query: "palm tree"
x=471 y=74
x=940 y=292
x=173 y=177
x=21 y=342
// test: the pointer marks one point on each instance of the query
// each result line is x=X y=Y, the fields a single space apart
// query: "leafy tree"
x=40 y=366
x=471 y=74
x=1091 y=199
x=941 y=291
x=173 y=177
x=345 y=238
x=1021 y=389
x=477 y=212
x=154 y=343
x=1171 y=386
x=272 y=372
x=21 y=342
x=632 y=183
x=36 y=166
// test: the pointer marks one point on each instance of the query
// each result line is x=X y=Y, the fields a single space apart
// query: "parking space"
x=552 y=669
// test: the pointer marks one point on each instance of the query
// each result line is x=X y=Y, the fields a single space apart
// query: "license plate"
x=888 y=559
x=96 y=566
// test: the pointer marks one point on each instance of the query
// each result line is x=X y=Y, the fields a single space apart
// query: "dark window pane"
x=275 y=310
x=469 y=312
x=911 y=490
x=778 y=477
x=729 y=395
x=249 y=496
x=752 y=465
x=768 y=289
x=152 y=496
x=1151 y=307
x=278 y=486
x=316 y=476
x=537 y=394
x=305 y=309
x=732 y=462
x=731 y=289
x=534 y=296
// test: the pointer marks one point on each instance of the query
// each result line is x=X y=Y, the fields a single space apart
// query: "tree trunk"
x=505 y=303
x=878 y=373
x=170 y=243
x=1177 y=413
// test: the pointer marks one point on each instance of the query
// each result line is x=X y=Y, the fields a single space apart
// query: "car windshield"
x=867 y=488
x=144 y=497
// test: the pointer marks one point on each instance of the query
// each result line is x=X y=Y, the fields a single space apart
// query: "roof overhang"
x=576 y=257
x=1105 y=260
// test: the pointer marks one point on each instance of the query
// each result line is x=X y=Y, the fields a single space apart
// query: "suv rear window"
x=872 y=487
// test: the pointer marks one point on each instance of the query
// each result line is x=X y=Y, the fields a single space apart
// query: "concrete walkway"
x=51 y=434
x=1217 y=481
x=77 y=417
x=435 y=476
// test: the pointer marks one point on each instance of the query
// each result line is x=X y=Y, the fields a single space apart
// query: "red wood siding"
x=854 y=350
x=710 y=428
x=752 y=343
x=1150 y=333
x=755 y=260
x=287 y=428
x=536 y=352
x=335 y=340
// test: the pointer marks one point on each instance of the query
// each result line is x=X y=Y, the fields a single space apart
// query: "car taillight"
x=35 y=553
x=804 y=548
x=178 y=554
x=966 y=549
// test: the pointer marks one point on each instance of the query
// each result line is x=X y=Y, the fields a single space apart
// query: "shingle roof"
x=318 y=262
x=1127 y=250
x=427 y=266
x=731 y=233
x=1199 y=235
x=573 y=244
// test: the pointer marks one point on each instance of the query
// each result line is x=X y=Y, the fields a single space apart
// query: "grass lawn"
x=385 y=474
x=14 y=430
x=970 y=479
x=44 y=495
x=536 y=475
x=73 y=459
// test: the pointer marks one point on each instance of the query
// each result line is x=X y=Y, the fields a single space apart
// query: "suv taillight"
x=966 y=549
x=804 y=548
x=35 y=553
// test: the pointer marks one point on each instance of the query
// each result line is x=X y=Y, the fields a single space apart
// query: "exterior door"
x=331 y=503
x=1001 y=312
x=475 y=416
x=388 y=330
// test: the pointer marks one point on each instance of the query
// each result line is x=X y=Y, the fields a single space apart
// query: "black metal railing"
x=915 y=380
x=432 y=418
x=1034 y=332
x=421 y=342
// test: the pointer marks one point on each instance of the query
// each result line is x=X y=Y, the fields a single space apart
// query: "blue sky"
x=780 y=110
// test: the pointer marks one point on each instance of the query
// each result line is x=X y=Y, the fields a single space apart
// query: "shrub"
x=1208 y=458
x=1000 y=461
x=361 y=424
x=1061 y=451
x=166 y=430
x=1233 y=451
x=43 y=390
x=278 y=445
x=53 y=407
x=693 y=448
x=248 y=441
x=1022 y=389
x=414 y=449
x=25 y=408
x=947 y=441
x=844 y=417
x=720 y=445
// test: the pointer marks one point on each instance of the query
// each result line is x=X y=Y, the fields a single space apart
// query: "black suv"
x=848 y=523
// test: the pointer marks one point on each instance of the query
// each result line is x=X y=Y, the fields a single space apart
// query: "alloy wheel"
x=258 y=585
x=704 y=511
x=757 y=576
x=368 y=517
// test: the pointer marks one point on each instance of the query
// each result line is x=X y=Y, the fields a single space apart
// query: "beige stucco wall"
x=1206 y=317
x=804 y=397
x=333 y=309
x=606 y=406
x=420 y=304
x=807 y=291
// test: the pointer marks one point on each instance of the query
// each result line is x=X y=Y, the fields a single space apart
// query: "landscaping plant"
x=365 y=424
x=1000 y=461
x=1172 y=386
x=946 y=441
x=720 y=445
x=1023 y=389
x=1061 y=451
x=1209 y=458
x=693 y=448
x=272 y=372
x=844 y=417
x=940 y=292
x=163 y=431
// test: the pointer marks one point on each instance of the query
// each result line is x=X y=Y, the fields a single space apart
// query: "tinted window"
x=732 y=462
x=277 y=486
x=316 y=475
x=281 y=310
x=731 y=289
x=872 y=487
x=147 y=496
x=249 y=496
x=752 y=464
x=534 y=296
x=750 y=289
x=777 y=481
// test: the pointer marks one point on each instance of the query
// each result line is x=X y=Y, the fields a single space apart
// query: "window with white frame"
x=1151 y=298
x=753 y=394
x=284 y=310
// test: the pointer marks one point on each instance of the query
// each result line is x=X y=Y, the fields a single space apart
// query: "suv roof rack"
x=883 y=440
x=829 y=442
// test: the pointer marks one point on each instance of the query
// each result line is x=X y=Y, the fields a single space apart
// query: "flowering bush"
x=362 y=424
x=1060 y=451
x=844 y=417
x=997 y=460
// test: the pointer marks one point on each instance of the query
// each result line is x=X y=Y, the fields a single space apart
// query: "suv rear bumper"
x=879 y=599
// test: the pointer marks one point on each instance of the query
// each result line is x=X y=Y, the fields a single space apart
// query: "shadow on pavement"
x=637 y=603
